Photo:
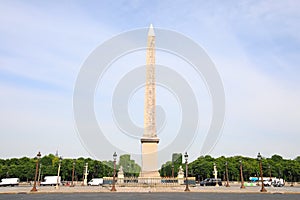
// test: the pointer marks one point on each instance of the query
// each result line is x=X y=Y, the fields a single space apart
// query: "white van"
x=96 y=182
x=51 y=180
x=9 y=182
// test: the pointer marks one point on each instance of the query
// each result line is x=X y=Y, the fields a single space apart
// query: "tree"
x=130 y=168
x=166 y=169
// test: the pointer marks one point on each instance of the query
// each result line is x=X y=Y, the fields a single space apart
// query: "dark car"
x=211 y=182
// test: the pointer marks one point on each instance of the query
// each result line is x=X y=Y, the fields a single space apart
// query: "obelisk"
x=150 y=140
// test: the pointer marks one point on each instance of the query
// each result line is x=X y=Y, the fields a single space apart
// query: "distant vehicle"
x=276 y=182
x=268 y=182
x=96 y=182
x=253 y=179
x=51 y=181
x=211 y=182
x=10 y=182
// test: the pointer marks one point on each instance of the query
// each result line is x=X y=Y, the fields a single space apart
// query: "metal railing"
x=145 y=181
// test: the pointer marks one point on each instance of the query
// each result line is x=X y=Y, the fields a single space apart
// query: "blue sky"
x=255 y=46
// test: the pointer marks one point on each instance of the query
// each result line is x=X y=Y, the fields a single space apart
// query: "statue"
x=121 y=175
x=180 y=176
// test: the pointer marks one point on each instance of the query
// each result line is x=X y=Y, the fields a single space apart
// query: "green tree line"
x=202 y=167
x=24 y=168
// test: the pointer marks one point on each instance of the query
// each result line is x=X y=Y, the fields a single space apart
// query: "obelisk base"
x=150 y=174
x=149 y=171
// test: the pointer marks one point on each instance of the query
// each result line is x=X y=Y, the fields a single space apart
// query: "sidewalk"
x=95 y=189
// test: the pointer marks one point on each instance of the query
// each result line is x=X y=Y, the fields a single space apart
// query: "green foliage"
x=130 y=168
x=24 y=168
x=166 y=169
x=202 y=167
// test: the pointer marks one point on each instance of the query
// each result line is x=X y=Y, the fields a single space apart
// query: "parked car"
x=211 y=182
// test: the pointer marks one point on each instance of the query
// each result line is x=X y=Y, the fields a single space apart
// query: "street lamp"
x=270 y=172
x=73 y=173
x=186 y=156
x=227 y=179
x=58 y=171
x=242 y=177
x=261 y=173
x=172 y=169
x=257 y=178
x=38 y=156
x=39 y=175
x=291 y=178
x=113 y=189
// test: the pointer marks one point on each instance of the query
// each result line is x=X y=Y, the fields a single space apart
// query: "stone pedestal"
x=180 y=176
x=85 y=174
x=120 y=176
x=149 y=158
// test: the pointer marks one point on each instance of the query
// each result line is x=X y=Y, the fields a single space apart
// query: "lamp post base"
x=33 y=189
x=113 y=189
x=187 y=189
x=263 y=190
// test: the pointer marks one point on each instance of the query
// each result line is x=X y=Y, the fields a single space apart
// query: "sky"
x=255 y=46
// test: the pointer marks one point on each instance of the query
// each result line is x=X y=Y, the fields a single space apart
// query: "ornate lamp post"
x=263 y=189
x=58 y=171
x=241 y=174
x=73 y=173
x=38 y=156
x=227 y=179
x=186 y=156
x=113 y=189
